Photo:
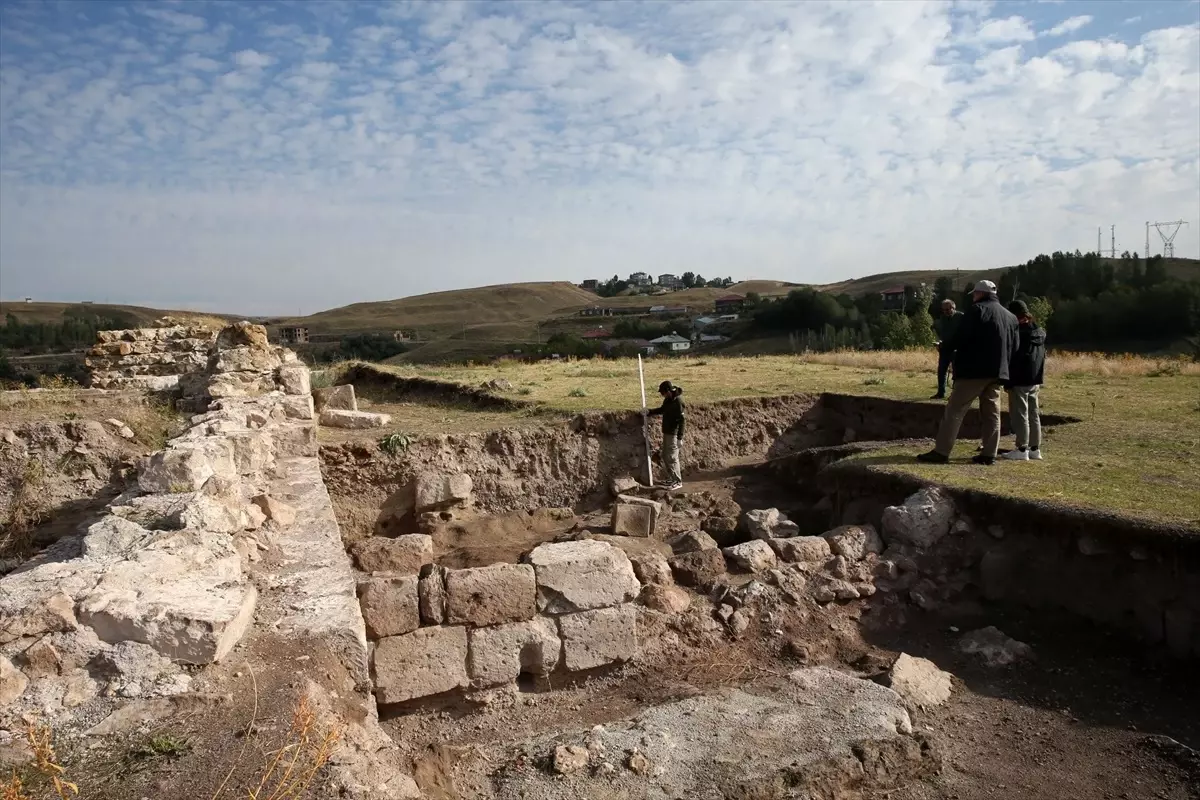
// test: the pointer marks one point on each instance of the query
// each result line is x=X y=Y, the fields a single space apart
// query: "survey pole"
x=645 y=424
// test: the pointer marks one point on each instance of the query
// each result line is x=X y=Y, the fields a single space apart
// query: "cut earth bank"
x=735 y=583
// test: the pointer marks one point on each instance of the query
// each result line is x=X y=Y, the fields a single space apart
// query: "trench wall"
x=1136 y=576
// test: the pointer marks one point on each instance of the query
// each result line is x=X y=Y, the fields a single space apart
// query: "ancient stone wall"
x=154 y=359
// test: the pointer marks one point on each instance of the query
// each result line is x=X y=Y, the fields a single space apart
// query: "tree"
x=943 y=289
x=1040 y=309
x=698 y=280
x=921 y=331
x=689 y=279
x=895 y=332
x=752 y=300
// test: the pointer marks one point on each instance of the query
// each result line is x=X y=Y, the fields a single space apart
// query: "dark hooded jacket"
x=1028 y=365
x=985 y=341
x=671 y=412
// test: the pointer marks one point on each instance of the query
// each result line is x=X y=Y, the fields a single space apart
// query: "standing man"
x=983 y=345
x=671 y=412
x=945 y=326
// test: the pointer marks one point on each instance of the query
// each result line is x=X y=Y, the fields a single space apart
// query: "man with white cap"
x=983 y=346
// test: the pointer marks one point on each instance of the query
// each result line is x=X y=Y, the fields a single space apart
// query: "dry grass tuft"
x=43 y=773
x=292 y=768
x=1057 y=362
x=26 y=510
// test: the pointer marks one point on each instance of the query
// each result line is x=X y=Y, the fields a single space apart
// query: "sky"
x=289 y=157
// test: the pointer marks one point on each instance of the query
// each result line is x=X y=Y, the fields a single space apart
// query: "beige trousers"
x=962 y=395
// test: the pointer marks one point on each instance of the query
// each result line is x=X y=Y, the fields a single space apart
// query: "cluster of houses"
x=642 y=280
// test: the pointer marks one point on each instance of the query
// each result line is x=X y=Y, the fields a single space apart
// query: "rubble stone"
x=582 y=575
x=994 y=648
x=922 y=521
x=275 y=510
x=335 y=397
x=595 y=638
x=802 y=549
x=667 y=599
x=651 y=568
x=404 y=555
x=295 y=379
x=723 y=530
x=12 y=682
x=491 y=595
x=431 y=593
x=701 y=568
x=754 y=556
x=854 y=541
x=435 y=492
x=297 y=407
x=37 y=612
x=500 y=654
x=425 y=662
x=185 y=466
x=389 y=605
x=919 y=681
x=769 y=523
x=569 y=759
x=41 y=659
x=693 y=541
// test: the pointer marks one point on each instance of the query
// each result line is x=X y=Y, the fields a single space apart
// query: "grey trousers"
x=670 y=460
x=961 y=397
x=1025 y=418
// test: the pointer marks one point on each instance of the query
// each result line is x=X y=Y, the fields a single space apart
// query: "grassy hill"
x=30 y=313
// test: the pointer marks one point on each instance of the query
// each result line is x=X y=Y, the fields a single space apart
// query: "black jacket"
x=1028 y=365
x=671 y=412
x=985 y=341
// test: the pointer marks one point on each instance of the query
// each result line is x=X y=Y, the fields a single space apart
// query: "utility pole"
x=1147 y=240
x=1167 y=238
x=1113 y=231
x=1098 y=250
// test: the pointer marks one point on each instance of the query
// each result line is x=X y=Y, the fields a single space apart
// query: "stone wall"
x=154 y=359
x=567 y=609
x=1136 y=576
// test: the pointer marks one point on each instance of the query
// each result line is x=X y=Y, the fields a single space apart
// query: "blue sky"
x=283 y=157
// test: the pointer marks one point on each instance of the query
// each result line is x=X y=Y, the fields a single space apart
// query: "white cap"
x=986 y=286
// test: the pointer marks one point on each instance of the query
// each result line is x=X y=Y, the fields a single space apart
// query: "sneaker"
x=1035 y=454
x=938 y=396
x=674 y=487
x=1016 y=455
x=983 y=460
x=933 y=457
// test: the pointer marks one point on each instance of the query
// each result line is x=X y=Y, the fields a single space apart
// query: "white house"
x=673 y=343
x=669 y=281
x=641 y=279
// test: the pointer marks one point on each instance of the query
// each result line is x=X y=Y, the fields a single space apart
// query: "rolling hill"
x=136 y=315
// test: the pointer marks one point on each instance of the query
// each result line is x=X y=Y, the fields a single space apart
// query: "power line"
x=1168 y=239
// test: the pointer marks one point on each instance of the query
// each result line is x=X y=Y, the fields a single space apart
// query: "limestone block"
x=668 y=599
x=919 y=682
x=41 y=659
x=431 y=594
x=34 y=602
x=219 y=513
x=802 y=549
x=652 y=568
x=491 y=595
x=389 y=605
x=418 y=664
x=185 y=595
x=633 y=500
x=353 y=420
x=253 y=451
x=434 y=492
x=854 y=541
x=296 y=380
x=275 y=510
x=619 y=486
x=404 y=555
x=241 y=384
x=754 y=556
x=692 y=541
x=701 y=568
x=297 y=407
x=185 y=466
x=500 y=654
x=723 y=530
x=296 y=440
x=922 y=521
x=632 y=520
x=12 y=682
x=769 y=523
x=243 y=333
x=113 y=538
x=335 y=397
x=595 y=638
x=577 y=576
x=246 y=359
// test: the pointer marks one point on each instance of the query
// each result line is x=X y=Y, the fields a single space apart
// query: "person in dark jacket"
x=983 y=345
x=1025 y=374
x=673 y=421
x=945 y=326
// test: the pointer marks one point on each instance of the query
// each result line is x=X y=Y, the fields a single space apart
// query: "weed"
x=1166 y=369
x=578 y=391
x=43 y=772
x=874 y=380
x=60 y=382
x=26 y=510
x=701 y=363
x=71 y=415
x=179 y=487
x=394 y=443
x=525 y=391
x=156 y=748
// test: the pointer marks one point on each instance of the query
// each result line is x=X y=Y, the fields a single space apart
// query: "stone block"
x=802 y=549
x=854 y=541
x=431 y=593
x=651 y=568
x=501 y=654
x=667 y=599
x=246 y=359
x=769 y=523
x=404 y=554
x=491 y=595
x=700 y=569
x=40 y=606
x=353 y=420
x=240 y=384
x=692 y=541
x=113 y=538
x=389 y=605
x=582 y=575
x=425 y=662
x=335 y=397
x=186 y=466
x=919 y=682
x=436 y=492
x=275 y=510
x=754 y=556
x=619 y=486
x=295 y=380
x=632 y=520
x=595 y=638
x=634 y=500
x=297 y=407
x=12 y=682
x=296 y=440
x=921 y=521
x=723 y=530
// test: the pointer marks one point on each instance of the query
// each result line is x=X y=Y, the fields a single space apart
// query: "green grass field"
x=1137 y=450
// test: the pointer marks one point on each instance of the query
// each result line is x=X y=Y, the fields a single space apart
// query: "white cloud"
x=1070 y=25
x=252 y=59
x=546 y=141
x=175 y=19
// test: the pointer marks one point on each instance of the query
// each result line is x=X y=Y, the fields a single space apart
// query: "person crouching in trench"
x=672 y=415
